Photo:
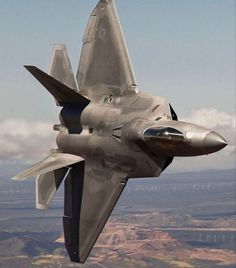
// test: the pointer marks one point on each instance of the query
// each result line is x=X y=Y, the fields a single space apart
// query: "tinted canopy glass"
x=163 y=133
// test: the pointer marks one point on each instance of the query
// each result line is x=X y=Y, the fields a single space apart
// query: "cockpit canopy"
x=166 y=133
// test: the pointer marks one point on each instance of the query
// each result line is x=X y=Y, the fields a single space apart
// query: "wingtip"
x=76 y=257
x=41 y=207
x=18 y=178
x=59 y=46
x=28 y=67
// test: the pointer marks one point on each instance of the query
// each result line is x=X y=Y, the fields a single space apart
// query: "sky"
x=181 y=49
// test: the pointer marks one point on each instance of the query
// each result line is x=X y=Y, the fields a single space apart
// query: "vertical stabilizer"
x=60 y=67
x=47 y=185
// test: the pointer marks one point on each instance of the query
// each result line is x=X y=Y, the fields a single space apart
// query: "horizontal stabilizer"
x=62 y=93
x=47 y=185
x=60 y=67
x=52 y=162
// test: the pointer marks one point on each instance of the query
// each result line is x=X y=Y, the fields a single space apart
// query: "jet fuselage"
x=134 y=134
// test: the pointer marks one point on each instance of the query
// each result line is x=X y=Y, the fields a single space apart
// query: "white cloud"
x=211 y=118
x=24 y=141
x=223 y=123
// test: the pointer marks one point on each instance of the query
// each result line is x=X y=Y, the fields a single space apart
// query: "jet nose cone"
x=214 y=142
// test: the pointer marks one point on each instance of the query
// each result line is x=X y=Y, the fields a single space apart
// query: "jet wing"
x=50 y=173
x=62 y=93
x=53 y=161
x=90 y=195
x=105 y=66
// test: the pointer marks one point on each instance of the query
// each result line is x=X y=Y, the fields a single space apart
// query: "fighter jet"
x=109 y=132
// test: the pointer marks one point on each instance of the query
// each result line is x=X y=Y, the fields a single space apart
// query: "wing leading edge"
x=105 y=66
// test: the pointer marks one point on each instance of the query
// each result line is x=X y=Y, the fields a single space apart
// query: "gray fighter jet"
x=110 y=132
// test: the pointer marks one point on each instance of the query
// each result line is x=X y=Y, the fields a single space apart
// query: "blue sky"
x=181 y=49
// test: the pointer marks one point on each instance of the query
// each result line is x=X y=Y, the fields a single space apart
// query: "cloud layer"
x=24 y=141
x=211 y=118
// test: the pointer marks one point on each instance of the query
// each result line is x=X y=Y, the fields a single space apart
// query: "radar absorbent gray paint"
x=109 y=132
